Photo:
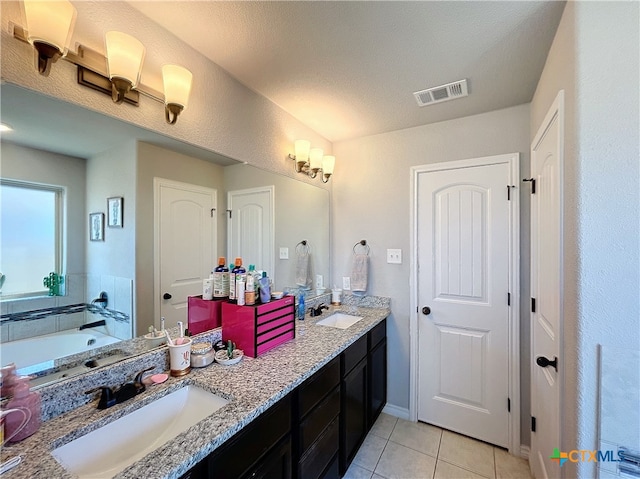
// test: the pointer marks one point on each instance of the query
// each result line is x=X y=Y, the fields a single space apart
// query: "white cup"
x=180 y=357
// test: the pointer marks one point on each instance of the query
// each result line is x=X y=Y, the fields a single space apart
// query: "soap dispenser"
x=25 y=398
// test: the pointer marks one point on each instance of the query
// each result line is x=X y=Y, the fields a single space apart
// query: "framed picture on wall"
x=96 y=226
x=114 y=212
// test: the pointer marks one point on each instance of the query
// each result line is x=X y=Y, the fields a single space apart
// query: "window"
x=30 y=236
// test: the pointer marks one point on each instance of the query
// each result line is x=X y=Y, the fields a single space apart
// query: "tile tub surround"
x=252 y=386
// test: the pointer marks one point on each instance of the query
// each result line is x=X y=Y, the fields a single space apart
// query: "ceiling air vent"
x=441 y=93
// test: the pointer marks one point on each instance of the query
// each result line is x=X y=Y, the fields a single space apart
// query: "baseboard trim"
x=397 y=411
x=524 y=451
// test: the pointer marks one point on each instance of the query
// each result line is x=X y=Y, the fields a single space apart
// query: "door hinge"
x=229 y=211
x=508 y=404
x=212 y=211
x=533 y=424
x=508 y=299
x=509 y=191
x=533 y=184
x=533 y=305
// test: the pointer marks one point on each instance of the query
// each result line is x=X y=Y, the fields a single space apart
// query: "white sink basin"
x=110 y=449
x=339 y=320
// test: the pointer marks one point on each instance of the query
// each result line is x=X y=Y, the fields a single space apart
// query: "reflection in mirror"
x=92 y=158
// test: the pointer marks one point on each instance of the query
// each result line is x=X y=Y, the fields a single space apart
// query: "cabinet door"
x=275 y=465
x=353 y=413
x=377 y=380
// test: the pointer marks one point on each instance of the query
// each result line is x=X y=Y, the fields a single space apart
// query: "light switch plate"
x=284 y=253
x=319 y=281
x=394 y=256
x=346 y=283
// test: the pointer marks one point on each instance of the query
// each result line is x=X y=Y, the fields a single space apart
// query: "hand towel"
x=359 y=273
x=303 y=269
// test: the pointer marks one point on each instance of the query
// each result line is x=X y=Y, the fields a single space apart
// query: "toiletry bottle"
x=221 y=279
x=23 y=397
x=256 y=282
x=301 y=306
x=232 y=283
x=250 y=287
x=265 y=288
x=240 y=284
x=239 y=274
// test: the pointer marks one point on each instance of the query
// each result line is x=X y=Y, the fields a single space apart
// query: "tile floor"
x=395 y=448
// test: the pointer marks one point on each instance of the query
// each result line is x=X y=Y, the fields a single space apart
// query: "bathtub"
x=39 y=353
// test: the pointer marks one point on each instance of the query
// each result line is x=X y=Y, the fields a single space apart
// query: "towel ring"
x=364 y=244
x=303 y=247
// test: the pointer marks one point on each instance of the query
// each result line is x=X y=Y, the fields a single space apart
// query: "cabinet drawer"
x=377 y=334
x=275 y=304
x=316 y=388
x=354 y=354
x=311 y=428
x=321 y=453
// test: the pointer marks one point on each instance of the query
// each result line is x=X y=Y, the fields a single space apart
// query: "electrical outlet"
x=284 y=253
x=319 y=281
x=394 y=256
x=346 y=283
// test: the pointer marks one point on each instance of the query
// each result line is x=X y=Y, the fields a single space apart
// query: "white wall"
x=594 y=58
x=371 y=198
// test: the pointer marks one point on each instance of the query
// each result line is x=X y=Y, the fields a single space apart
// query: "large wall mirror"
x=107 y=242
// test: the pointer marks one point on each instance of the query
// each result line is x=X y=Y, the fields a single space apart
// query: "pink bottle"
x=23 y=397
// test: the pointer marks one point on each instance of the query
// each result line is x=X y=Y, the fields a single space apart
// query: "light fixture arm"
x=171 y=112
x=305 y=168
x=45 y=55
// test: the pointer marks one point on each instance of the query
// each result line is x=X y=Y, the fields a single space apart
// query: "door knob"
x=426 y=310
x=544 y=362
x=166 y=296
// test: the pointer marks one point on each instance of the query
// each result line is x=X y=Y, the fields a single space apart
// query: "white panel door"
x=185 y=233
x=251 y=232
x=546 y=276
x=463 y=278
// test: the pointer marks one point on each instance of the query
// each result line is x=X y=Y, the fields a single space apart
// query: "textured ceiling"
x=348 y=69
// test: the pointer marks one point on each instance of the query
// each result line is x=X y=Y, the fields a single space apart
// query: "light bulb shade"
x=315 y=158
x=50 y=23
x=328 y=162
x=125 y=56
x=177 y=85
x=301 y=148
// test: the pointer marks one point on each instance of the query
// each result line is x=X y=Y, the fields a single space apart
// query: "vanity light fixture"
x=49 y=29
x=50 y=26
x=125 y=56
x=311 y=161
x=177 y=87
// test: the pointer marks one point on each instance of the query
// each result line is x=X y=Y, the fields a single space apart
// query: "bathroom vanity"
x=300 y=410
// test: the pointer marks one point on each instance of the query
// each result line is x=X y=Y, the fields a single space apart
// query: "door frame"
x=513 y=160
x=159 y=182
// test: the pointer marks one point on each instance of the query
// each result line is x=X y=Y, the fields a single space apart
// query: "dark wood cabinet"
x=377 y=381
x=315 y=431
x=316 y=423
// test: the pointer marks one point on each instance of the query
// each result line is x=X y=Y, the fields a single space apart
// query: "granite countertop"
x=251 y=386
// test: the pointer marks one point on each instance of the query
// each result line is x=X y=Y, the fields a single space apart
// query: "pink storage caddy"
x=259 y=328
x=203 y=314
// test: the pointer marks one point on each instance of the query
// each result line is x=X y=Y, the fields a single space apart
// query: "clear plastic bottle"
x=221 y=279
x=23 y=397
